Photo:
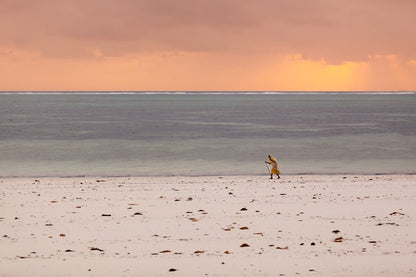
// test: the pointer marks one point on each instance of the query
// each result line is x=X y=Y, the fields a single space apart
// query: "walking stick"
x=268 y=168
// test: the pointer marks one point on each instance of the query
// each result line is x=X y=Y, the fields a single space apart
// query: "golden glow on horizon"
x=202 y=71
x=310 y=75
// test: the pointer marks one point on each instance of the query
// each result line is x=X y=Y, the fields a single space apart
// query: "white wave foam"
x=208 y=93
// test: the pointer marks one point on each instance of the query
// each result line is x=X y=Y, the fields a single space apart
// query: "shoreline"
x=208 y=175
x=306 y=225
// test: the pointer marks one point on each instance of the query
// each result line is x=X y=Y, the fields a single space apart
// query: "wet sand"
x=339 y=225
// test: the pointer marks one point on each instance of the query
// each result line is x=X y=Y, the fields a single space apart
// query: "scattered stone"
x=244 y=245
x=165 y=251
x=199 y=252
x=243 y=209
x=372 y=241
x=106 y=215
x=96 y=249
x=173 y=270
x=227 y=252
x=313 y=244
x=336 y=231
x=338 y=239
x=48 y=224
x=189 y=199
x=69 y=250
x=396 y=213
x=283 y=248
x=62 y=235
x=392 y=223
x=138 y=213
x=244 y=228
x=227 y=229
x=193 y=219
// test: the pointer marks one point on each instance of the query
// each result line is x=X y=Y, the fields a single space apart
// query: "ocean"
x=68 y=134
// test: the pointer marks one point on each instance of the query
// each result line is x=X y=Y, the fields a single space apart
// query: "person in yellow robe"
x=275 y=167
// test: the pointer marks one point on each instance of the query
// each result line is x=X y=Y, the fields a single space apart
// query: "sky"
x=153 y=45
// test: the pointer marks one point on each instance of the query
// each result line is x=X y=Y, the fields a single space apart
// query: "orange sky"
x=208 y=45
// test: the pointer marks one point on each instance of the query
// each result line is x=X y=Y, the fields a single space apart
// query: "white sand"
x=195 y=225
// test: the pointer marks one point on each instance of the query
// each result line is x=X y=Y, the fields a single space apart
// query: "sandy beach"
x=339 y=225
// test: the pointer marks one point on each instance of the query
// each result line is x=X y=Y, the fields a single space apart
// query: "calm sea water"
x=162 y=133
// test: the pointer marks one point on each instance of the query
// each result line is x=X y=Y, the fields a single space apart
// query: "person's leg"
x=271 y=176
x=278 y=176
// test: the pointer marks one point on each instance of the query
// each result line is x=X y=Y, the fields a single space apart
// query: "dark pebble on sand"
x=106 y=215
x=243 y=209
x=96 y=249
x=313 y=243
x=335 y=231
x=244 y=245
x=172 y=270
x=138 y=213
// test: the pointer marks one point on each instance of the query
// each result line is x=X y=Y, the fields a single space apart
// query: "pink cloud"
x=344 y=30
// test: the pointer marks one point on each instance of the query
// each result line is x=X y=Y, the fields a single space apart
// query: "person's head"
x=270 y=157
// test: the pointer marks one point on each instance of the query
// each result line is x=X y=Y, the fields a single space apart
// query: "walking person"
x=275 y=167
